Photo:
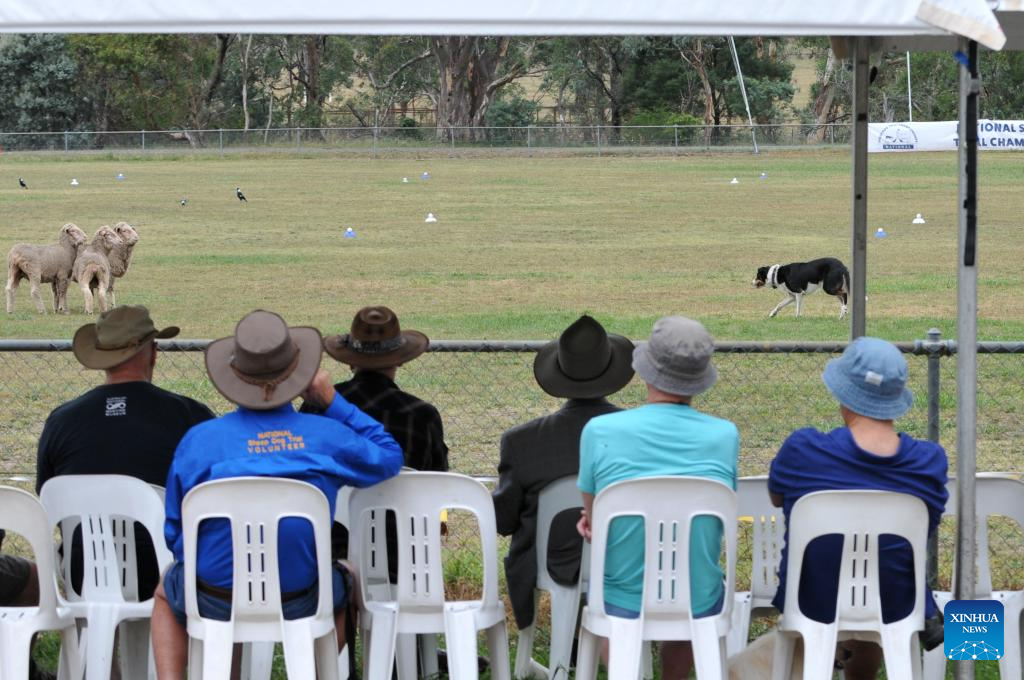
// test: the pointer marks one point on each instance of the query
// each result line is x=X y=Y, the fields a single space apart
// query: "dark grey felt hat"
x=586 y=362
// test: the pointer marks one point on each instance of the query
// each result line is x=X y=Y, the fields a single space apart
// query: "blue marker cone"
x=350 y=233
x=880 y=233
x=764 y=175
x=425 y=175
x=120 y=176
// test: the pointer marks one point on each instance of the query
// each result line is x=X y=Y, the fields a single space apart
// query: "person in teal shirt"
x=667 y=436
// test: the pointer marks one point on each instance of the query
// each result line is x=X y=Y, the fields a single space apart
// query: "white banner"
x=942 y=136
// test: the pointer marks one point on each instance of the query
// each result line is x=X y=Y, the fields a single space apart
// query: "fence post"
x=598 y=129
x=675 y=129
x=934 y=347
x=65 y=141
x=221 y=136
x=298 y=138
x=529 y=145
x=375 y=132
x=143 y=140
x=451 y=139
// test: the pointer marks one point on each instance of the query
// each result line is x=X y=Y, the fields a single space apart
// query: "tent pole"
x=743 y=90
x=859 y=236
x=967 y=334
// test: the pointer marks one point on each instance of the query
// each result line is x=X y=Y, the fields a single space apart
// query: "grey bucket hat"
x=677 y=358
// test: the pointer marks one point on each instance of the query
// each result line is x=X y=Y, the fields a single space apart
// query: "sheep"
x=121 y=256
x=92 y=267
x=44 y=264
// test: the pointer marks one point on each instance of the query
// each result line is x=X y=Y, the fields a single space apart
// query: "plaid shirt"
x=415 y=424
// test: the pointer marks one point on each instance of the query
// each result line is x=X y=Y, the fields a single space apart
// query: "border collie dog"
x=802 y=278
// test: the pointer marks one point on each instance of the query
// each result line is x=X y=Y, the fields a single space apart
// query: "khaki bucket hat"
x=118 y=335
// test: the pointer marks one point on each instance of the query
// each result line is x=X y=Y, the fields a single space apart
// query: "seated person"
x=262 y=369
x=667 y=436
x=583 y=366
x=869 y=382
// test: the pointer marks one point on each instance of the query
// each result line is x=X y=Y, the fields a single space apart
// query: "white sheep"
x=44 y=264
x=92 y=267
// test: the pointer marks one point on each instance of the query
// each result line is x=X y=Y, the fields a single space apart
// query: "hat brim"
x=617 y=375
x=218 y=365
x=862 y=402
x=684 y=387
x=84 y=347
x=414 y=344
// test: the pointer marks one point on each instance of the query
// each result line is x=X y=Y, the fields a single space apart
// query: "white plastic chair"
x=21 y=513
x=861 y=517
x=558 y=496
x=419 y=605
x=255 y=506
x=668 y=506
x=105 y=509
x=768 y=536
x=995 y=495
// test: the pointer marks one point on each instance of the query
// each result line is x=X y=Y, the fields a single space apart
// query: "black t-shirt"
x=128 y=428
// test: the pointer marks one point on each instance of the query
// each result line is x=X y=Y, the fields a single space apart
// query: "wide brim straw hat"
x=118 y=335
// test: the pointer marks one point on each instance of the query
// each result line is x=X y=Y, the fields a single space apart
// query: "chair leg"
x=380 y=657
x=427 y=646
x=782 y=658
x=935 y=664
x=524 y=652
x=647 y=671
x=405 y=656
x=586 y=656
x=70 y=665
x=133 y=644
x=625 y=647
x=257 y=660
x=216 y=650
x=326 y=649
x=15 y=649
x=300 y=657
x=195 y=659
x=707 y=650
x=98 y=639
x=898 y=647
x=460 y=635
x=1010 y=665
x=565 y=607
x=740 y=628
x=497 y=646
x=819 y=652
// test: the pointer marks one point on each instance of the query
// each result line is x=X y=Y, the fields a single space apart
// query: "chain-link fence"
x=483 y=388
x=382 y=141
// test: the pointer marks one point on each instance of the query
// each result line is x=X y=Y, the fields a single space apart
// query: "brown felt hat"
x=376 y=341
x=585 y=362
x=265 y=363
x=118 y=335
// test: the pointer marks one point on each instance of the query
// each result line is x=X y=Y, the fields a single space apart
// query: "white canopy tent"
x=867 y=26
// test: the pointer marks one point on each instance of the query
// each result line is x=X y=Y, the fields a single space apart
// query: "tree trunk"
x=823 y=102
x=696 y=57
x=245 y=77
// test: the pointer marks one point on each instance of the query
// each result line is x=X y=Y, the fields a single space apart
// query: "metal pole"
x=451 y=139
x=598 y=129
x=221 y=135
x=910 y=97
x=967 y=335
x=934 y=347
x=375 y=133
x=859 y=236
x=65 y=141
x=143 y=140
x=743 y=89
x=676 y=130
x=529 y=146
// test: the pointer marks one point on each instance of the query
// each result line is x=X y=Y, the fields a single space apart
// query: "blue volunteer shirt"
x=342 y=447
x=811 y=461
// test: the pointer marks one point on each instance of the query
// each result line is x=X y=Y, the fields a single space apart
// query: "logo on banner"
x=973 y=630
x=898 y=137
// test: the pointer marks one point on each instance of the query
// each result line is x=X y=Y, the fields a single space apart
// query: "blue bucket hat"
x=870 y=378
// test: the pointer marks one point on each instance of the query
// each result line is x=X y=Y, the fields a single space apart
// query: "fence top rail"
x=918 y=347
x=349 y=128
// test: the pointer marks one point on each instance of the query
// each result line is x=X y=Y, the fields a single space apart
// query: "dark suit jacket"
x=533 y=455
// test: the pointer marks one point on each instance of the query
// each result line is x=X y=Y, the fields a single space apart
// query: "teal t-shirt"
x=650 y=441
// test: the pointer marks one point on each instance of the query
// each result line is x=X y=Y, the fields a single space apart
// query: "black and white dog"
x=801 y=278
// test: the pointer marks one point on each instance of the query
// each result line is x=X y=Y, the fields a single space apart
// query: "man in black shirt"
x=126 y=426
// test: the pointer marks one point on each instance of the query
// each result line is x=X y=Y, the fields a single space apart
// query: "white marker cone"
x=918 y=220
x=430 y=218
x=74 y=182
x=405 y=180
x=734 y=181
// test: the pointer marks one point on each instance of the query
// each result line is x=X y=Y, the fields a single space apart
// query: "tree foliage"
x=39 y=84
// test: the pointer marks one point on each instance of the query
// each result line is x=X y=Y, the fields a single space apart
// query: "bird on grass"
x=22 y=184
x=184 y=202
x=241 y=196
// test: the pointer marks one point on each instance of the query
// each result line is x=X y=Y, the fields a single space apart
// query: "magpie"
x=241 y=196
x=184 y=202
x=21 y=182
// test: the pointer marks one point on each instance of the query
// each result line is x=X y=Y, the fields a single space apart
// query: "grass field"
x=522 y=246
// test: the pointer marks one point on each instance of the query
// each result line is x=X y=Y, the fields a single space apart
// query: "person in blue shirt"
x=667 y=436
x=869 y=382
x=262 y=368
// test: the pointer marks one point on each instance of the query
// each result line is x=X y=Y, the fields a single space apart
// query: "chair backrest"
x=769 y=530
x=255 y=507
x=417 y=499
x=106 y=508
x=558 y=496
x=668 y=506
x=861 y=517
x=22 y=513
x=995 y=494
